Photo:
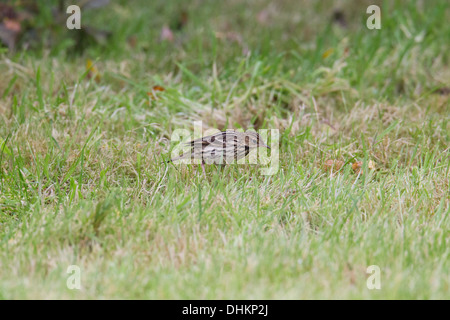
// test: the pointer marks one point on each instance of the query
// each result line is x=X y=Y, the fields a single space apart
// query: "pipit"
x=222 y=147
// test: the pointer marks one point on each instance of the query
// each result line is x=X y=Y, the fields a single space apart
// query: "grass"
x=81 y=179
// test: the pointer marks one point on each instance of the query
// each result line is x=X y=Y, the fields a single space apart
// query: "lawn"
x=82 y=175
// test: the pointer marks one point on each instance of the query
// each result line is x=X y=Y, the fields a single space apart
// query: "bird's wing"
x=217 y=139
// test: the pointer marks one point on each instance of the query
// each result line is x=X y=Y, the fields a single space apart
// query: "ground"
x=82 y=178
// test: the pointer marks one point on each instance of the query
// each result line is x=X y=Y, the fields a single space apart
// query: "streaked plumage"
x=223 y=147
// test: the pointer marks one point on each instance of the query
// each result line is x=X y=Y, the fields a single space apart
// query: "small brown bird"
x=222 y=147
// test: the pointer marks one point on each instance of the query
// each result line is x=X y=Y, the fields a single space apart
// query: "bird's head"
x=253 y=140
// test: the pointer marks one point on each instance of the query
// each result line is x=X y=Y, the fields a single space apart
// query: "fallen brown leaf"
x=333 y=165
x=152 y=94
x=327 y=53
x=92 y=71
x=357 y=166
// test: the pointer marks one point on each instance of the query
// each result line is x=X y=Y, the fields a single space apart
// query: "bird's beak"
x=268 y=147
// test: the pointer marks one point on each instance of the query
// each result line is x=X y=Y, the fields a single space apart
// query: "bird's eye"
x=254 y=141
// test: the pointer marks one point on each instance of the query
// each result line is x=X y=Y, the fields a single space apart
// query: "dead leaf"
x=333 y=165
x=92 y=71
x=327 y=53
x=358 y=165
x=152 y=94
